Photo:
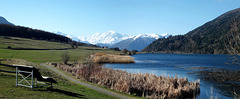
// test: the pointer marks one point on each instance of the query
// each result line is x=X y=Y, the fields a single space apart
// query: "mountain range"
x=115 y=39
x=138 y=42
x=74 y=38
x=219 y=36
x=122 y=41
x=4 y=21
x=108 y=38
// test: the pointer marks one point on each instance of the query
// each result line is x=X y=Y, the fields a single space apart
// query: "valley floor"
x=64 y=89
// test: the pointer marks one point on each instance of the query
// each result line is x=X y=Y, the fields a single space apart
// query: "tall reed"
x=111 y=58
x=144 y=85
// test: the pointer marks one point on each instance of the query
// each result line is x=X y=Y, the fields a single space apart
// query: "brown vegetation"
x=110 y=58
x=145 y=85
x=226 y=81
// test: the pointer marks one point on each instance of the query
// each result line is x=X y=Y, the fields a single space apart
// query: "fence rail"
x=28 y=72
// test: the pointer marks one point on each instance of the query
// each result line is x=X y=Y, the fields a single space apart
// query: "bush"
x=9 y=47
x=65 y=57
x=125 y=51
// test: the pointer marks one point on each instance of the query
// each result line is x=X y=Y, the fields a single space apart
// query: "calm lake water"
x=182 y=65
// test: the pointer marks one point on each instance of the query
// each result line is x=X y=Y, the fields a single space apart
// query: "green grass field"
x=64 y=89
x=41 y=56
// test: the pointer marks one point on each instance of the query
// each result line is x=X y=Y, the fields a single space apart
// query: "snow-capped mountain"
x=108 y=38
x=139 y=42
x=115 y=39
x=4 y=21
x=67 y=35
x=74 y=38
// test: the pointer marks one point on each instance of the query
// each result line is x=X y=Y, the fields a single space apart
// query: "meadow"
x=41 y=56
x=64 y=89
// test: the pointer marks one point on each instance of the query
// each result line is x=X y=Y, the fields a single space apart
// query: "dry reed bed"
x=144 y=85
x=110 y=58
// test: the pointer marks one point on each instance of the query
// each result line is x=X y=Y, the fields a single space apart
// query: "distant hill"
x=25 y=32
x=219 y=36
x=4 y=21
x=138 y=42
x=8 y=29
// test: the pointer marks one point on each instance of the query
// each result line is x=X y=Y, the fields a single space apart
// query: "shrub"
x=9 y=47
x=125 y=51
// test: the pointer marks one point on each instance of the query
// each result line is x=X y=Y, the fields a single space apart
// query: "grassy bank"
x=63 y=90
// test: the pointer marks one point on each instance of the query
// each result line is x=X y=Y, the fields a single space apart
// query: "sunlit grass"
x=62 y=90
x=40 y=56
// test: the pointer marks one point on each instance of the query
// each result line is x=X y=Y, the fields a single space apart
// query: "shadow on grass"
x=3 y=77
x=66 y=93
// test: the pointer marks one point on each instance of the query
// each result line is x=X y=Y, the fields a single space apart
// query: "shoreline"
x=163 y=52
x=140 y=84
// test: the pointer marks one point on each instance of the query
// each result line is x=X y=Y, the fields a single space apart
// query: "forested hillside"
x=25 y=32
x=219 y=36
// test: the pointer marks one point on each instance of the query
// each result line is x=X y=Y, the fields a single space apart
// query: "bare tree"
x=65 y=57
x=125 y=51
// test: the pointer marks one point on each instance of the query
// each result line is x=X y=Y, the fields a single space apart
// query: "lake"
x=182 y=65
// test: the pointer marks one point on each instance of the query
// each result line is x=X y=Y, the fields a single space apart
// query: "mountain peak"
x=110 y=37
x=4 y=21
x=111 y=31
x=155 y=36
x=139 y=42
x=165 y=34
x=146 y=36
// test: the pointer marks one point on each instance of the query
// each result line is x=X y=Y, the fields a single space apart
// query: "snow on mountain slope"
x=109 y=38
x=115 y=39
x=74 y=38
x=139 y=42
x=146 y=36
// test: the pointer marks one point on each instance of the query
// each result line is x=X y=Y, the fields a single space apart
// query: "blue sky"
x=86 y=17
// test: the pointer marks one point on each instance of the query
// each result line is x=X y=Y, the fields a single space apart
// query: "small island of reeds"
x=111 y=58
